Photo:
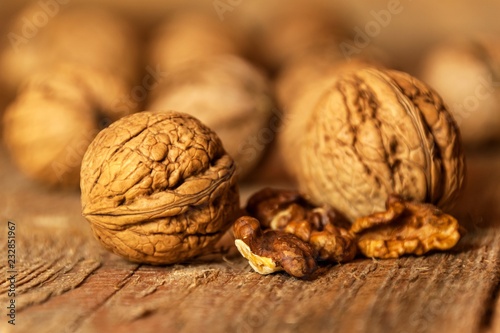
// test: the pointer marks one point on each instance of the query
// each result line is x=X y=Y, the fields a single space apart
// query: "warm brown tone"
x=67 y=281
x=158 y=187
x=323 y=228
x=229 y=95
x=405 y=228
x=270 y=251
x=371 y=134
x=82 y=33
x=466 y=73
x=55 y=117
x=190 y=36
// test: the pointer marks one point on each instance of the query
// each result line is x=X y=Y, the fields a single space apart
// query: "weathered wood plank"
x=68 y=283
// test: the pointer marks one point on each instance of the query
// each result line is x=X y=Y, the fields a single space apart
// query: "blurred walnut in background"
x=55 y=117
x=229 y=95
x=466 y=73
x=279 y=30
x=87 y=35
x=190 y=36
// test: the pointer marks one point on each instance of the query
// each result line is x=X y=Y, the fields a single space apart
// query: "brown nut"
x=55 y=117
x=322 y=227
x=333 y=244
x=229 y=95
x=405 y=228
x=271 y=251
x=373 y=133
x=158 y=187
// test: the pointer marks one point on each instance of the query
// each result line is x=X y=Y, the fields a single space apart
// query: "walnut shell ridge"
x=374 y=133
x=158 y=187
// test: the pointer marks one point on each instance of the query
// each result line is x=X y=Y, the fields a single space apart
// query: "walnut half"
x=158 y=187
x=405 y=228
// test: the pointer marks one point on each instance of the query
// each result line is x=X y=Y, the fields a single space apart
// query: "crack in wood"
x=121 y=284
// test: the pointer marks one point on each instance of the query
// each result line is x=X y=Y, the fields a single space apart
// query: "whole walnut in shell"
x=229 y=95
x=57 y=113
x=158 y=187
x=373 y=133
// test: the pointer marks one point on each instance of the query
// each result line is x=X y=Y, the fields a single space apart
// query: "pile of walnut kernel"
x=283 y=231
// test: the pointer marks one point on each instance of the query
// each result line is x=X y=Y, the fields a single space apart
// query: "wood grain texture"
x=68 y=283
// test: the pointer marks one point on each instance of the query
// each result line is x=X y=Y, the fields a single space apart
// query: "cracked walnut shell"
x=158 y=187
x=372 y=133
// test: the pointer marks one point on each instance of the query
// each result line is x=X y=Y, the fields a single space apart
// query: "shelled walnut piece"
x=271 y=251
x=405 y=228
x=158 y=187
x=322 y=227
x=323 y=235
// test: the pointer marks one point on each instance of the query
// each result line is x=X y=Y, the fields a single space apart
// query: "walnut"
x=321 y=227
x=307 y=72
x=82 y=34
x=271 y=251
x=372 y=133
x=405 y=228
x=467 y=75
x=158 y=187
x=55 y=117
x=229 y=95
x=190 y=36
x=280 y=31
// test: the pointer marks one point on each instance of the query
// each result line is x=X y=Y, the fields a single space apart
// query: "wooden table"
x=67 y=283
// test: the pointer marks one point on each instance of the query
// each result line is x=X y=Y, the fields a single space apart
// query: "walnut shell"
x=229 y=95
x=158 y=187
x=55 y=117
x=374 y=133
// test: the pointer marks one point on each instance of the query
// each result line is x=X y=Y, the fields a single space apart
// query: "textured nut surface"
x=321 y=227
x=158 y=187
x=229 y=95
x=271 y=251
x=376 y=132
x=405 y=228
